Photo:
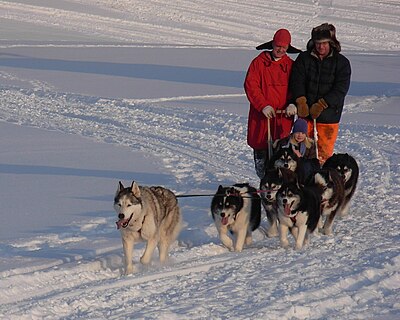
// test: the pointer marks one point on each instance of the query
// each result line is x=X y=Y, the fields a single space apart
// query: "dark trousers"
x=260 y=162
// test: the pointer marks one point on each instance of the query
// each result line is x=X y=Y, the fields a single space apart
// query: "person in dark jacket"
x=319 y=82
x=266 y=86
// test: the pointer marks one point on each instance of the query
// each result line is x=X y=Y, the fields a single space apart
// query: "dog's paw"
x=284 y=244
x=298 y=246
x=239 y=248
x=272 y=232
x=328 y=232
x=129 y=270
x=144 y=260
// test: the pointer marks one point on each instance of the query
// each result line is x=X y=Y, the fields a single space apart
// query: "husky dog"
x=331 y=186
x=236 y=209
x=284 y=158
x=149 y=214
x=347 y=167
x=298 y=211
x=269 y=185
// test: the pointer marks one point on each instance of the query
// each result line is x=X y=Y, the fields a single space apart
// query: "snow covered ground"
x=97 y=91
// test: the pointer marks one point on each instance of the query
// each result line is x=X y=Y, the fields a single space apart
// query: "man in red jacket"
x=266 y=87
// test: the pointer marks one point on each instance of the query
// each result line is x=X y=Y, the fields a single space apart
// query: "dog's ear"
x=135 y=189
x=220 y=189
x=120 y=186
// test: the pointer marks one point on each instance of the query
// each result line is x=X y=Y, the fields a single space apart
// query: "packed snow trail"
x=184 y=140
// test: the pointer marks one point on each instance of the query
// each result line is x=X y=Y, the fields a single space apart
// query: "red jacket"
x=266 y=84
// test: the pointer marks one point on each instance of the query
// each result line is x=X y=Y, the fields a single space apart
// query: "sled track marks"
x=213 y=23
x=81 y=280
x=189 y=145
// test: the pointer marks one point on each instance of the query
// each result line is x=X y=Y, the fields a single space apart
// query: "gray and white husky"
x=149 y=214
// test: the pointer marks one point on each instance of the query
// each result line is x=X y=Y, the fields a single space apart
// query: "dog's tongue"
x=287 y=209
x=224 y=220
x=120 y=223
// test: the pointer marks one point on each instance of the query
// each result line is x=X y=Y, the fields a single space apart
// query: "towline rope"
x=219 y=194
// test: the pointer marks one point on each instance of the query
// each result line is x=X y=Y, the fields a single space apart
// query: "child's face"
x=299 y=136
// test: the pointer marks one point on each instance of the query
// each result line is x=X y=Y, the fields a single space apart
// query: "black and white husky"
x=269 y=186
x=348 y=168
x=299 y=210
x=331 y=186
x=284 y=158
x=149 y=214
x=236 y=210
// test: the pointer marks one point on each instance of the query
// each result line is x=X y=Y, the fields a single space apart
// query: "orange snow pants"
x=327 y=134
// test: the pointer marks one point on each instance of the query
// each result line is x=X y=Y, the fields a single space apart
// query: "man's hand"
x=317 y=108
x=291 y=110
x=302 y=107
x=269 y=112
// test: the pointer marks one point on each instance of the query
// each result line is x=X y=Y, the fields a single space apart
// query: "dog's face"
x=270 y=185
x=341 y=163
x=226 y=203
x=286 y=158
x=345 y=171
x=128 y=206
x=288 y=199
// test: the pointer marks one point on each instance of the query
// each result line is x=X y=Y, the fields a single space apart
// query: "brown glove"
x=317 y=108
x=302 y=107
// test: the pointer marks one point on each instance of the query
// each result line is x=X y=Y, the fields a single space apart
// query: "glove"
x=317 y=108
x=269 y=112
x=291 y=110
x=302 y=107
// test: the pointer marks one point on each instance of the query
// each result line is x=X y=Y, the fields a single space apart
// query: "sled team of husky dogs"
x=152 y=214
x=301 y=206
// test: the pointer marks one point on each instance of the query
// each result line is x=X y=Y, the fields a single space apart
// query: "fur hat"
x=324 y=32
x=282 y=37
x=300 y=125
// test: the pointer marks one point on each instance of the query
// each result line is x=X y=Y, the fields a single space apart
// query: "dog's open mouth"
x=123 y=223
x=224 y=220
x=287 y=209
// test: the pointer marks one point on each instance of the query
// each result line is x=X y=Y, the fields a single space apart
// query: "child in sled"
x=303 y=147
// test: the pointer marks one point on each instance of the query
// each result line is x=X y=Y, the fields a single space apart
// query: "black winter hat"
x=321 y=35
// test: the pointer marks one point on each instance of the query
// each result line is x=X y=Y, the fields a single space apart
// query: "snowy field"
x=97 y=91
